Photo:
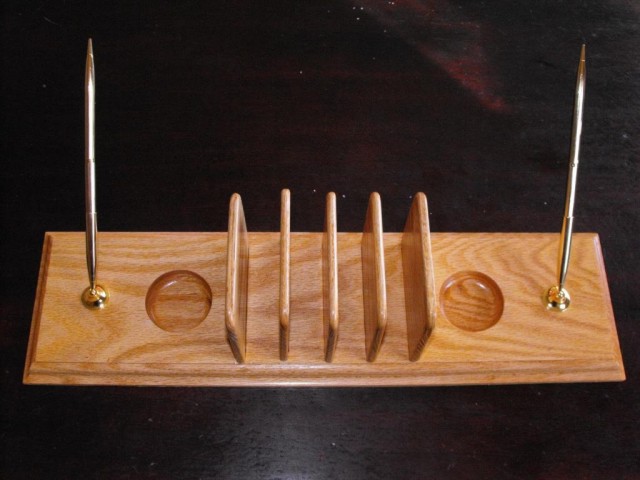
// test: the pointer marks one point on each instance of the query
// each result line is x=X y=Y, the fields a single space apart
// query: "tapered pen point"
x=89 y=77
x=582 y=72
x=582 y=64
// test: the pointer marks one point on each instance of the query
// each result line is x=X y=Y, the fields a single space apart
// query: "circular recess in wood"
x=178 y=300
x=472 y=301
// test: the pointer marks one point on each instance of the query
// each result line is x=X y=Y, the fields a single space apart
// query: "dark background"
x=468 y=101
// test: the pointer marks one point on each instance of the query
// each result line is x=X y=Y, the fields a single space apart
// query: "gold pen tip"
x=582 y=68
x=90 y=48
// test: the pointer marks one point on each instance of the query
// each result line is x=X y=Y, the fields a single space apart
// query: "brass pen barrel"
x=572 y=177
x=557 y=297
x=90 y=167
x=94 y=296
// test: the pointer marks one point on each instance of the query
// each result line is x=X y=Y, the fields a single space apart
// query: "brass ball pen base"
x=95 y=298
x=557 y=299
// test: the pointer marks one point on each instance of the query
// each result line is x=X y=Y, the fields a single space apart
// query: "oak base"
x=120 y=344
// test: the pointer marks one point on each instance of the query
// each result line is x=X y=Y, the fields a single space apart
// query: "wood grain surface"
x=418 y=276
x=374 y=286
x=285 y=271
x=235 y=313
x=122 y=346
x=330 y=279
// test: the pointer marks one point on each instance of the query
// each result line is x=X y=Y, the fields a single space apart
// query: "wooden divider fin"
x=419 y=283
x=235 y=315
x=373 y=278
x=285 y=271
x=330 y=278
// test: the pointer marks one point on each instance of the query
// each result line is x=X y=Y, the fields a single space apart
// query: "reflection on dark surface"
x=444 y=36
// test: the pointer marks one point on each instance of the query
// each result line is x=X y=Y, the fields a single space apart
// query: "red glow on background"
x=446 y=38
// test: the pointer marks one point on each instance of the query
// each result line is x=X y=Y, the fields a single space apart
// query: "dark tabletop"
x=468 y=101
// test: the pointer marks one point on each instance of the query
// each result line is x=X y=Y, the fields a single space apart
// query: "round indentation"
x=179 y=300
x=472 y=301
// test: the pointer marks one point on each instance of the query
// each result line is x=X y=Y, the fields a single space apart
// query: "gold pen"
x=94 y=296
x=557 y=297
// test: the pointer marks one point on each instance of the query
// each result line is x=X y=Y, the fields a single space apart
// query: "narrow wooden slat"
x=330 y=278
x=373 y=279
x=285 y=269
x=237 y=278
x=419 y=284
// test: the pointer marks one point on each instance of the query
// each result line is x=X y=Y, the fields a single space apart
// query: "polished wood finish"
x=374 y=285
x=419 y=283
x=122 y=346
x=235 y=313
x=285 y=271
x=330 y=295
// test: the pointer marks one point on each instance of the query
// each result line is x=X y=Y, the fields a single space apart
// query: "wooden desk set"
x=240 y=308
